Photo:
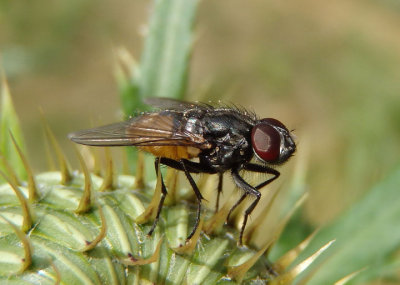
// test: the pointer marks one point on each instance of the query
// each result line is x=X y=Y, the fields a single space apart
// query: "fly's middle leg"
x=198 y=196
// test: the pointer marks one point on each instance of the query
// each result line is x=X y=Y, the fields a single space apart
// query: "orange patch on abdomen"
x=172 y=152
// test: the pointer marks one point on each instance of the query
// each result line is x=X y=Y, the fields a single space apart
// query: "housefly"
x=220 y=138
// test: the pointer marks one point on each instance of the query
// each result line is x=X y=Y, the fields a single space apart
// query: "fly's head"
x=271 y=141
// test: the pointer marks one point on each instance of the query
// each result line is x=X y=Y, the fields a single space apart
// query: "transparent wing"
x=168 y=103
x=150 y=129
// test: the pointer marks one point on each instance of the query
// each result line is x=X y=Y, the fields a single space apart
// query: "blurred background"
x=328 y=69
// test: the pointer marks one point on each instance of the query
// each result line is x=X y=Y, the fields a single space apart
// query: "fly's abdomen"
x=172 y=152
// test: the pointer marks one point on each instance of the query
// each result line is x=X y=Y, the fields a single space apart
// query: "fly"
x=221 y=138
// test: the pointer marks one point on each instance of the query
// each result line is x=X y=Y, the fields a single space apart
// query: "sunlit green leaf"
x=366 y=236
x=163 y=69
x=164 y=63
x=9 y=123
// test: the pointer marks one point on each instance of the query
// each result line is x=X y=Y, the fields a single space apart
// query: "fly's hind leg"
x=163 y=195
x=188 y=167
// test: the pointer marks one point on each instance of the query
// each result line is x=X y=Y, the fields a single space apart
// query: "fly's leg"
x=219 y=189
x=192 y=167
x=198 y=196
x=250 y=190
x=235 y=206
x=188 y=167
x=260 y=169
x=163 y=195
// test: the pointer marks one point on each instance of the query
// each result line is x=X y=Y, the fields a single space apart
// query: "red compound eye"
x=274 y=122
x=266 y=141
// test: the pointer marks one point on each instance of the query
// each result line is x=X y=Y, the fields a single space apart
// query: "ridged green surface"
x=59 y=234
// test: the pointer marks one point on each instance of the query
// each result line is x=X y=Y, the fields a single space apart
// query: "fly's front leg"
x=260 y=169
x=235 y=206
x=249 y=190
x=163 y=195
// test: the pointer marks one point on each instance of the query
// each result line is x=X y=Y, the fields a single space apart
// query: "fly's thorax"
x=224 y=157
x=230 y=137
x=193 y=126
